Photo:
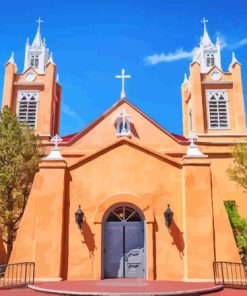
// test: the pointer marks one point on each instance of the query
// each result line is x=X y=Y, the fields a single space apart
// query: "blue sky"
x=93 y=40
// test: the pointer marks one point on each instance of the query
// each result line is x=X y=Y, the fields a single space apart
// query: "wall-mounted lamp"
x=79 y=215
x=168 y=215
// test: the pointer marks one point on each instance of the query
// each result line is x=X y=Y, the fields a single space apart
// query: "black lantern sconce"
x=79 y=216
x=168 y=215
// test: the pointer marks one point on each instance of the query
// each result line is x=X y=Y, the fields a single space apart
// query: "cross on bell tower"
x=39 y=21
x=204 y=21
x=36 y=54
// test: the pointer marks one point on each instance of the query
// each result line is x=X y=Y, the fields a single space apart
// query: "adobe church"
x=151 y=202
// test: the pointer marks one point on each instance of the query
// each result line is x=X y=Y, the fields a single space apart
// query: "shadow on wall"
x=88 y=238
x=3 y=254
x=177 y=237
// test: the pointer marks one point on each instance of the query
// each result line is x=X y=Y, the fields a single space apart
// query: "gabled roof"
x=73 y=137
x=126 y=141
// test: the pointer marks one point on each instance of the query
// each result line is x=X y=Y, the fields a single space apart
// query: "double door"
x=124 y=250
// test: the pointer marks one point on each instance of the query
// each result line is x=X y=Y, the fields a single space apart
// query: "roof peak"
x=37 y=42
x=205 y=38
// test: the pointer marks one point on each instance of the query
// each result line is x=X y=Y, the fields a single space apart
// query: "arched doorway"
x=124 y=243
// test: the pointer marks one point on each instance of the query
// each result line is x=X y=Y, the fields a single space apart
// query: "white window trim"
x=128 y=130
x=227 y=110
x=37 y=101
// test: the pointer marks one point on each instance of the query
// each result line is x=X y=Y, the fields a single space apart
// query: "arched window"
x=218 y=109
x=27 y=107
x=123 y=126
x=123 y=214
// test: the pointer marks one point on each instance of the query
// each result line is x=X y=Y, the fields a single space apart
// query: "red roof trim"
x=69 y=137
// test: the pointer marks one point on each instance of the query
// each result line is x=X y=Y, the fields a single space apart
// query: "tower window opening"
x=218 y=109
x=34 y=61
x=27 y=108
x=210 y=60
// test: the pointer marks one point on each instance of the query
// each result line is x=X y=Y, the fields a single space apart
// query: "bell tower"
x=212 y=100
x=34 y=94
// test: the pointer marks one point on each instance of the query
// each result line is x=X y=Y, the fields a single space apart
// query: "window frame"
x=224 y=94
x=21 y=95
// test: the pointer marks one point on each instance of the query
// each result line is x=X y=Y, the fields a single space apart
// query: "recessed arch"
x=126 y=198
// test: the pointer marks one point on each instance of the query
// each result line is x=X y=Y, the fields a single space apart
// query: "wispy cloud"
x=180 y=54
x=237 y=44
x=70 y=112
x=170 y=57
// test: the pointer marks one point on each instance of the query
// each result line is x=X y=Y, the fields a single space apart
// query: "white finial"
x=185 y=78
x=193 y=150
x=55 y=151
x=192 y=138
x=51 y=58
x=56 y=139
x=123 y=76
x=44 y=41
x=11 y=59
x=234 y=60
x=204 y=21
x=57 y=78
x=39 y=21
x=27 y=42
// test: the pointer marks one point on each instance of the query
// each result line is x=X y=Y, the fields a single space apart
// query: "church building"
x=125 y=197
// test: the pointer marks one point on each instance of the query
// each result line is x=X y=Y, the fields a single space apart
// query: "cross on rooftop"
x=192 y=138
x=204 y=21
x=123 y=76
x=56 y=139
x=39 y=21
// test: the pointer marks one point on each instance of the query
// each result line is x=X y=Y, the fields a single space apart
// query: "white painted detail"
x=218 y=115
x=193 y=150
x=216 y=75
x=123 y=121
x=55 y=151
x=37 y=54
x=208 y=54
x=11 y=59
x=30 y=77
x=51 y=59
x=123 y=77
x=234 y=61
x=28 y=106
x=185 y=78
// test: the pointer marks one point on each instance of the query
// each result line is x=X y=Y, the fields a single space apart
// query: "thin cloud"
x=182 y=54
x=170 y=57
x=231 y=46
x=70 y=112
x=238 y=44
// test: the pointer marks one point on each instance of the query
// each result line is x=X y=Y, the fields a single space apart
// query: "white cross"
x=124 y=116
x=56 y=139
x=192 y=138
x=123 y=76
x=204 y=21
x=39 y=21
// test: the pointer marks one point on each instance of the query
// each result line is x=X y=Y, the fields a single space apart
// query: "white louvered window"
x=218 y=116
x=27 y=107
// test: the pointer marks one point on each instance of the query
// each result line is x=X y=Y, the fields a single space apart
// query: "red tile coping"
x=125 y=287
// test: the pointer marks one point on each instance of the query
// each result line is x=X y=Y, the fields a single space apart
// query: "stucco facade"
x=146 y=171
